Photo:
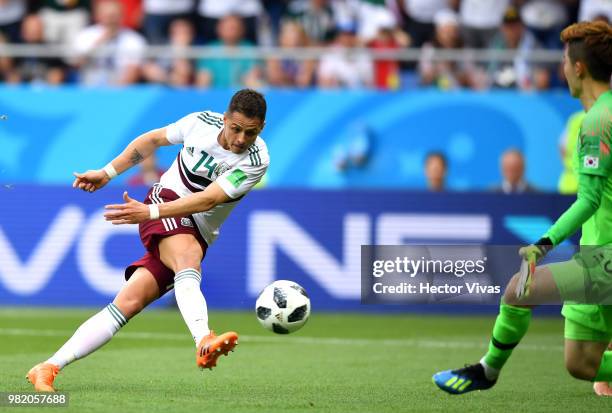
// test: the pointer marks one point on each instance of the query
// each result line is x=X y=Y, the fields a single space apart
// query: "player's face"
x=569 y=70
x=239 y=131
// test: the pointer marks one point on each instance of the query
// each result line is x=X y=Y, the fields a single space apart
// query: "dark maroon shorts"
x=152 y=231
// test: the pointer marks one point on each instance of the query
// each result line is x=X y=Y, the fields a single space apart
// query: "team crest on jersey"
x=190 y=150
x=221 y=168
x=186 y=222
x=591 y=162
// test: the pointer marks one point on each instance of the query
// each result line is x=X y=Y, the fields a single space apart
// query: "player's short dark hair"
x=591 y=43
x=436 y=154
x=250 y=103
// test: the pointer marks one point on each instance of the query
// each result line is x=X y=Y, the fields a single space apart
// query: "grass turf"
x=336 y=363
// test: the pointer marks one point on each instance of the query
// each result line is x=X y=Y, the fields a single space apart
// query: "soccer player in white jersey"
x=222 y=159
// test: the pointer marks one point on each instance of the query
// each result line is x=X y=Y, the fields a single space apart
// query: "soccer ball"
x=283 y=307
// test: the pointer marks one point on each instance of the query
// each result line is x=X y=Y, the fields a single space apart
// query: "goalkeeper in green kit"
x=584 y=282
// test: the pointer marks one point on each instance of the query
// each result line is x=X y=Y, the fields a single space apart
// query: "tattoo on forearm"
x=136 y=157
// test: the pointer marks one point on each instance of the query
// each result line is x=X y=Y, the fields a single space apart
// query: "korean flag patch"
x=591 y=162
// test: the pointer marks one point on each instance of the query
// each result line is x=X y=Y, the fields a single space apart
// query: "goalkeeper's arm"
x=590 y=192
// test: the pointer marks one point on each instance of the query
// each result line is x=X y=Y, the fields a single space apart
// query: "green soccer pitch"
x=336 y=363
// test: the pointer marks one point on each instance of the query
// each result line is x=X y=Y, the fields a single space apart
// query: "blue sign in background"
x=57 y=234
x=50 y=133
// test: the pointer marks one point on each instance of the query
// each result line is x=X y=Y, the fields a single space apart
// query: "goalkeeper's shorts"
x=588 y=322
x=585 y=286
x=586 y=278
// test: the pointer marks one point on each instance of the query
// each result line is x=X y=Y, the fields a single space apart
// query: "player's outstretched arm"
x=139 y=149
x=590 y=193
x=134 y=212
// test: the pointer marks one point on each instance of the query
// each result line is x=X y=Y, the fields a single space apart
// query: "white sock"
x=490 y=372
x=90 y=336
x=191 y=302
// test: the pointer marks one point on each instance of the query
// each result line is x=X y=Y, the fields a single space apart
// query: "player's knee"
x=510 y=293
x=581 y=370
x=190 y=258
x=129 y=306
x=189 y=255
x=180 y=252
x=510 y=297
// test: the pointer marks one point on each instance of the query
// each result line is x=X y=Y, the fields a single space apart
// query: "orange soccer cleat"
x=212 y=346
x=42 y=376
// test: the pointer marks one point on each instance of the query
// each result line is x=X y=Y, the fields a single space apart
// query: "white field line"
x=333 y=341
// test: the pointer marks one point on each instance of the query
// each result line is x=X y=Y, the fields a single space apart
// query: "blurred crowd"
x=125 y=28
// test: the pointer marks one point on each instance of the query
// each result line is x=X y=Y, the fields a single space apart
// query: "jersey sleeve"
x=177 y=131
x=594 y=150
x=242 y=178
x=590 y=193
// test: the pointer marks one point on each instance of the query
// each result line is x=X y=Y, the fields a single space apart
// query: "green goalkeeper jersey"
x=593 y=211
x=593 y=164
x=594 y=159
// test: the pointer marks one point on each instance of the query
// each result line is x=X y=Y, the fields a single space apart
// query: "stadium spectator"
x=123 y=49
x=449 y=74
x=173 y=69
x=11 y=14
x=148 y=173
x=7 y=72
x=480 y=21
x=132 y=14
x=274 y=12
x=436 y=168
x=520 y=72
x=35 y=69
x=210 y=12
x=388 y=37
x=367 y=16
x=159 y=14
x=418 y=18
x=373 y=20
x=229 y=72
x=182 y=74
x=593 y=9
x=512 y=166
x=63 y=20
x=317 y=18
x=343 y=67
x=291 y=72
x=545 y=19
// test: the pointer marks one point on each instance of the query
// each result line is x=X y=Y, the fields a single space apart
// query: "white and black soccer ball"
x=283 y=307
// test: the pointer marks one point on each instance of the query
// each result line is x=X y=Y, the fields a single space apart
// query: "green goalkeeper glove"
x=531 y=255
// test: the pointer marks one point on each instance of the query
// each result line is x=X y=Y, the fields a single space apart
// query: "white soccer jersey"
x=202 y=160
